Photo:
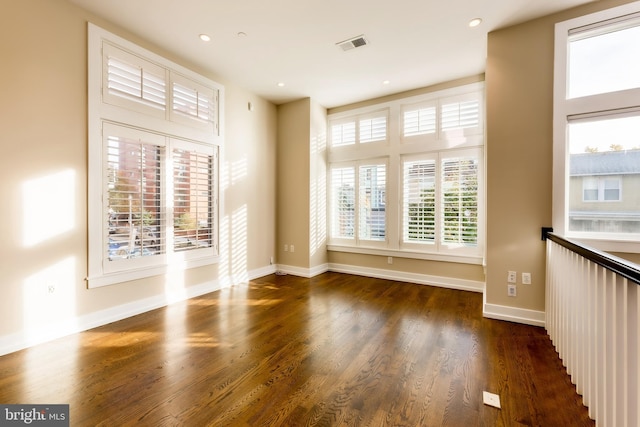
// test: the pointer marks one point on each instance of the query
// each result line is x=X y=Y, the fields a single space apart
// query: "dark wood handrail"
x=618 y=265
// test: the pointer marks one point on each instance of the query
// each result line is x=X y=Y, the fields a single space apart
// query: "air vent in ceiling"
x=353 y=43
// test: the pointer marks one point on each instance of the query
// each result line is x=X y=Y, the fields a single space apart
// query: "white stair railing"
x=592 y=303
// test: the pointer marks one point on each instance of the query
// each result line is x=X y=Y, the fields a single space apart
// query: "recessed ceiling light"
x=242 y=34
x=280 y=84
x=475 y=22
x=385 y=82
x=205 y=38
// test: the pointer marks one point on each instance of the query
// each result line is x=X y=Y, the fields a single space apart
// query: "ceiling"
x=257 y=44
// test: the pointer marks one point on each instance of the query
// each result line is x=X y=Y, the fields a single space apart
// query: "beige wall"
x=302 y=186
x=318 y=187
x=43 y=123
x=519 y=85
x=294 y=124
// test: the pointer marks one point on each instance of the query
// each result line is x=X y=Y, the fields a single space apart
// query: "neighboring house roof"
x=606 y=163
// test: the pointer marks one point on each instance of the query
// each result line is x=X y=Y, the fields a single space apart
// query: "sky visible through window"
x=605 y=61
x=604 y=135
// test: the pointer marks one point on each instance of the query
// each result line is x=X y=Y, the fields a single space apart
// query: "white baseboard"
x=513 y=314
x=401 y=276
x=304 y=272
x=21 y=340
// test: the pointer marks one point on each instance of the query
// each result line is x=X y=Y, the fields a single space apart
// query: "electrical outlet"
x=511 y=277
x=389 y=260
x=292 y=248
x=511 y=290
x=526 y=278
x=286 y=248
x=270 y=260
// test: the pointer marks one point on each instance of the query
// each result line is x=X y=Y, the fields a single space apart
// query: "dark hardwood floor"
x=286 y=351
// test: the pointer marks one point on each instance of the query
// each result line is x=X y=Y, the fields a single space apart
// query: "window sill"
x=141 y=273
x=398 y=253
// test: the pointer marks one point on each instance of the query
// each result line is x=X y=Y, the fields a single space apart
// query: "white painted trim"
x=24 y=339
x=304 y=272
x=513 y=314
x=402 y=276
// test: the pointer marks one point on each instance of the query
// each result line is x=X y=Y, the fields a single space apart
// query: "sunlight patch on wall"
x=49 y=301
x=224 y=266
x=318 y=196
x=48 y=206
x=233 y=172
x=318 y=213
x=233 y=244
x=239 y=248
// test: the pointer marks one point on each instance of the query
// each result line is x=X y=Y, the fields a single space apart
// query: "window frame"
x=439 y=245
x=357 y=239
x=600 y=188
x=108 y=113
x=395 y=149
x=589 y=107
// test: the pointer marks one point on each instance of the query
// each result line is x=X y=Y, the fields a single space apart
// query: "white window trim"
x=438 y=246
x=620 y=102
x=102 y=112
x=394 y=149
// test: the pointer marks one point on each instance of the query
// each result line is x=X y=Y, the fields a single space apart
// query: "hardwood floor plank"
x=334 y=350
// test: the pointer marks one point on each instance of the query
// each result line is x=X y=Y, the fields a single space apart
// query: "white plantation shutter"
x=460 y=115
x=193 y=103
x=343 y=134
x=343 y=201
x=372 y=202
x=419 y=121
x=133 y=82
x=459 y=206
x=193 y=199
x=134 y=212
x=373 y=129
x=419 y=201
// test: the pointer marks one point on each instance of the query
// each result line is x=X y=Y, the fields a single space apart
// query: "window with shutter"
x=362 y=129
x=419 y=121
x=419 y=201
x=459 y=204
x=193 y=104
x=193 y=199
x=134 y=211
x=153 y=174
x=415 y=168
x=372 y=202
x=343 y=202
x=373 y=129
x=343 y=134
x=460 y=115
x=132 y=82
